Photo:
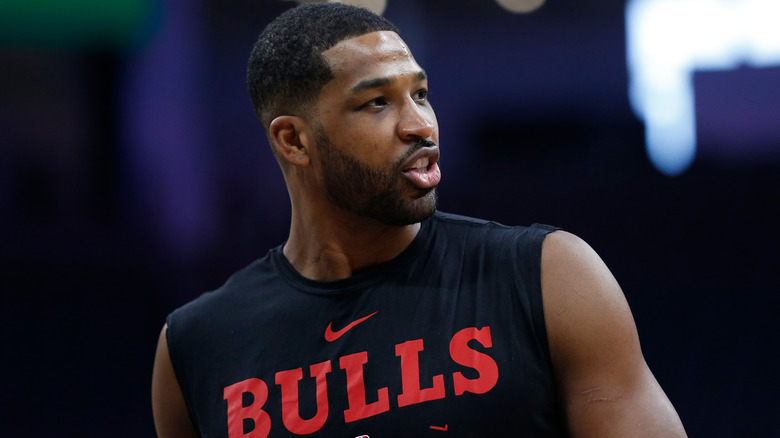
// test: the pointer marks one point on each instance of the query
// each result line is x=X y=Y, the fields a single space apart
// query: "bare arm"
x=171 y=418
x=606 y=386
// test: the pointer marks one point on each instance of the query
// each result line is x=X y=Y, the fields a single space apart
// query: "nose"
x=415 y=121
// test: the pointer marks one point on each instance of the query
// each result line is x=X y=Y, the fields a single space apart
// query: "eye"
x=421 y=95
x=378 y=102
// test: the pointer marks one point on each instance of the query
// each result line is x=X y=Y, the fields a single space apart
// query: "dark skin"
x=374 y=109
x=606 y=386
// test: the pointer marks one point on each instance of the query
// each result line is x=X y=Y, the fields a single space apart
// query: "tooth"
x=421 y=165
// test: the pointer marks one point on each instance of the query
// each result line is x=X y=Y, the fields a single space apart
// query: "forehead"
x=376 y=54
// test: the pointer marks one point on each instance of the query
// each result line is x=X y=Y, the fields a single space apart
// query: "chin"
x=411 y=213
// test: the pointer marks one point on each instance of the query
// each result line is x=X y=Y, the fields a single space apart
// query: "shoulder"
x=567 y=261
x=576 y=281
x=516 y=245
x=584 y=307
x=486 y=228
x=566 y=256
x=443 y=218
x=244 y=286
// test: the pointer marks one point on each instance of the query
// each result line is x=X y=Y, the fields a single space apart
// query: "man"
x=380 y=317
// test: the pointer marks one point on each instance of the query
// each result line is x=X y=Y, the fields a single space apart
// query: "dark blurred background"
x=134 y=176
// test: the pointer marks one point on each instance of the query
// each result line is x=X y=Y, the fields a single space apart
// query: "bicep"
x=171 y=419
x=605 y=384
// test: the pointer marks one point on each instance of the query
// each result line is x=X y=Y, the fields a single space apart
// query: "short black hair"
x=286 y=71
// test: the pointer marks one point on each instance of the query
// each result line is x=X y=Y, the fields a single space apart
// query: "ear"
x=291 y=139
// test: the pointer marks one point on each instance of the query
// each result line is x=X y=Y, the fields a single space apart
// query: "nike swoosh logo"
x=331 y=336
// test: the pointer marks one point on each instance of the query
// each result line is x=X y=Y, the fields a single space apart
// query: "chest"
x=415 y=358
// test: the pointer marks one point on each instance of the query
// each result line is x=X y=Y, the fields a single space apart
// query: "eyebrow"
x=381 y=82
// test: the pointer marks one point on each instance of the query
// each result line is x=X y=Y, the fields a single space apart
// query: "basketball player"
x=380 y=316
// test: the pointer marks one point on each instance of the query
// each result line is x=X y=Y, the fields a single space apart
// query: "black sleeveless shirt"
x=446 y=340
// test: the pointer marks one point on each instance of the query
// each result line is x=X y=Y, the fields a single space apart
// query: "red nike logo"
x=331 y=336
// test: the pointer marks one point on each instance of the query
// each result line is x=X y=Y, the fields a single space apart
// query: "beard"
x=374 y=193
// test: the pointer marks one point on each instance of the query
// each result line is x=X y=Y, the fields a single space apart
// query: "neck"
x=333 y=247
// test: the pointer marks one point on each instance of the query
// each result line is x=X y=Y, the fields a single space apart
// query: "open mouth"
x=422 y=169
x=421 y=165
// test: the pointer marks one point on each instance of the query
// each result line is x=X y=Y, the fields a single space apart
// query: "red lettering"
x=410 y=376
x=356 y=390
x=291 y=416
x=237 y=412
x=484 y=364
x=251 y=421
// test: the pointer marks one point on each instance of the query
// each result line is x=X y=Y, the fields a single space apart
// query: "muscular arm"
x=606 y=387
x=171 y=418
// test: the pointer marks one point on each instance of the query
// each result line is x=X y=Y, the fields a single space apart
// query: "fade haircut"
x=286 y=70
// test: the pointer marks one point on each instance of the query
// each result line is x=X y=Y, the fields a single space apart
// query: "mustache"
x=419 y=144
x=422 y=143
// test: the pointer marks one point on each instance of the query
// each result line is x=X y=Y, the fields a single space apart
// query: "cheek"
x=362 y=145
x=368 y=141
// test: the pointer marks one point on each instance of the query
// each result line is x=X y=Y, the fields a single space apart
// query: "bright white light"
x=375 y=6
x=520 y=6
x=667 y=40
